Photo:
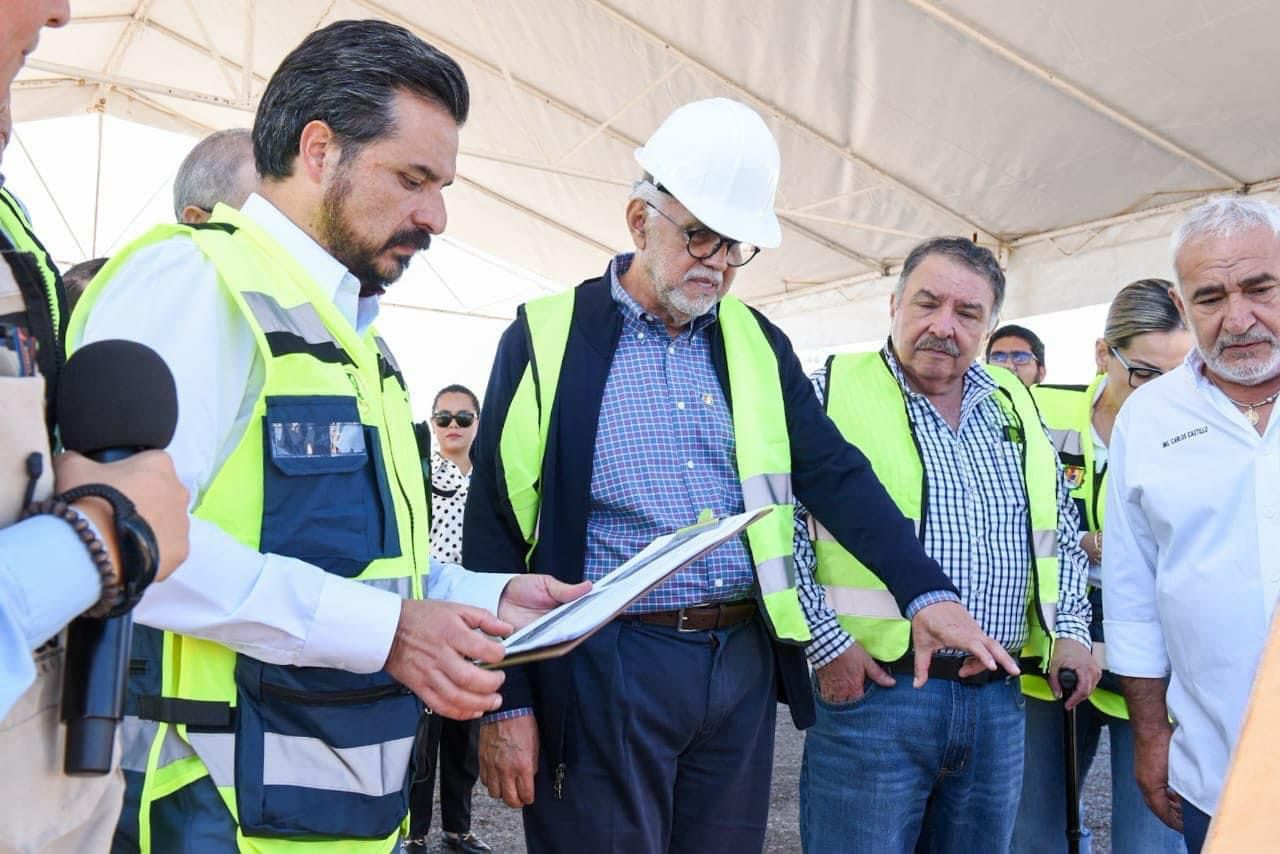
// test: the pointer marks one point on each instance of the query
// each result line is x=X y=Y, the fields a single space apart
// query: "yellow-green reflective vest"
x=304 y=758
x=17 y=227
x=759 y=429
x=1068 y=413
x=866 y=403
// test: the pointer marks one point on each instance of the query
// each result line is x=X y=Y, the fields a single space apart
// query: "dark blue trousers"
x=668 y=745
x=1195 y=827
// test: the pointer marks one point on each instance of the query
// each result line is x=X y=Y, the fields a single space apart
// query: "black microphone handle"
x=95 y=677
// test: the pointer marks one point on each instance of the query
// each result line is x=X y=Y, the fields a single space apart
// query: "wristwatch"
x=135 y=543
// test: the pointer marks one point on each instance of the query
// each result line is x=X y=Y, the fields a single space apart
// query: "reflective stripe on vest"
x=760 y=434
x=327 y=471
x=866 y=403
x=1068 y=413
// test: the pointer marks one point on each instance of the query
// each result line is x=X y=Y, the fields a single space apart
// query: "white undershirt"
x=274 y=608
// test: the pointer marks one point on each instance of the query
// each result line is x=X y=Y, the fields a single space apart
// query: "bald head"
x=219 y=169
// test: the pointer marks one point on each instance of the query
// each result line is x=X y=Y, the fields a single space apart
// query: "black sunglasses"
x=463 y=417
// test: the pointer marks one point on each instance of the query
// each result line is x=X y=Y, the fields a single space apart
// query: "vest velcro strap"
x=206 y=714
x=863 y=602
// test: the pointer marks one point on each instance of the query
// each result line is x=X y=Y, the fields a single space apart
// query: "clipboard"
x=563 y=629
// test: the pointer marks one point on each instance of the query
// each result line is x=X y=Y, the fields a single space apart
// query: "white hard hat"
x=721 y=162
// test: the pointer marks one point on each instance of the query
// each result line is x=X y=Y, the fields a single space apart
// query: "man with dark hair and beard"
x=271 y=704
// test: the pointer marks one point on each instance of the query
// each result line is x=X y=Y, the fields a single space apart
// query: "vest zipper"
x=332 y=698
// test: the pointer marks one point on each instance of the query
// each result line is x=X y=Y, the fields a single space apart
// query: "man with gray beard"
x=1191 y=568
x=630 y=406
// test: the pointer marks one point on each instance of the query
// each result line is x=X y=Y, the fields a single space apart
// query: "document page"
x=573 y=622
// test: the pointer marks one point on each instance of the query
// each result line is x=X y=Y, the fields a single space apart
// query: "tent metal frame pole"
x=206 y=48
x=35 y=167
x=250 y=34
x=1072 y=91
x=845 y=152
x=84 y=75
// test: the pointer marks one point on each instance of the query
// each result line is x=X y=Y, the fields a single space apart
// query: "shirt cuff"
x=453 y=583
x=353 y=627
x=506 y=715
x=1136 y=649
x=933 y=597
x=53 y=579
x=1074 y=627
x=826 y=649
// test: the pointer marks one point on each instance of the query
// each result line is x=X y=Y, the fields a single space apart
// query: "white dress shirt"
x=1191 y=567
x=274 y=608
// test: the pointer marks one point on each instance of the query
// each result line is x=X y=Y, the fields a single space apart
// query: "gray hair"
x=1222 y=217
x=963 y=251
x=1141 y=307
x=210 y=171
x=646 y=191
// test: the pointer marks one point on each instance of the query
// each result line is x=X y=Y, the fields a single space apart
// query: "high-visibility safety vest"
x=1068 y=413
x=15 y=224
x=760 y=434
x=304 y=758
x=866 y=403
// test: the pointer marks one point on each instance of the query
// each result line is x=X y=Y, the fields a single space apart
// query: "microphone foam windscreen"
x=116 y=394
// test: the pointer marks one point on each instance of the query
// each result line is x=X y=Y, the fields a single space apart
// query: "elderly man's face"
x=1227 y=290
x=21 y=32
x=940 y=320
x=684 y=286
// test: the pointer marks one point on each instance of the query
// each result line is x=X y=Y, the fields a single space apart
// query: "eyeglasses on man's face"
x=1017 y=357
x=702 y=243
x=1138 y=374
x=464 y=418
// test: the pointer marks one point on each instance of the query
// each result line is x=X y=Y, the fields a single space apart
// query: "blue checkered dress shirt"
x=977 y=525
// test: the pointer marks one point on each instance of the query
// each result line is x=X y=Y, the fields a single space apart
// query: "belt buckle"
x=682 y=617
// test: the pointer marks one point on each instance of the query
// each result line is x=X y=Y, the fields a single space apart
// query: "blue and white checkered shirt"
x=977 y=524
x=664 y=452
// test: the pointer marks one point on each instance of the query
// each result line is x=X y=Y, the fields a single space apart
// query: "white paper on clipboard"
x=562 y=629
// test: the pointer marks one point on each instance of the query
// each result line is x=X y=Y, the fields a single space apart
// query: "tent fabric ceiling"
x=1031 y=124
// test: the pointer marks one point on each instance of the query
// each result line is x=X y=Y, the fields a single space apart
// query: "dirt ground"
x=493 y=822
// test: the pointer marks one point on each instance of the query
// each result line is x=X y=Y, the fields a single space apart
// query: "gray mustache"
x=940 y=345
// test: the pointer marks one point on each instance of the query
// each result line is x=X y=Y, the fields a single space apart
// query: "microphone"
x=115 y=398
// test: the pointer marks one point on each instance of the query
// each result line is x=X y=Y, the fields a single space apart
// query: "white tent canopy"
x=1065 y=136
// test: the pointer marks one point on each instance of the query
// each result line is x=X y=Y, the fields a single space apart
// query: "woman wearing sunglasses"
x=1144 y=338
x=454 y=416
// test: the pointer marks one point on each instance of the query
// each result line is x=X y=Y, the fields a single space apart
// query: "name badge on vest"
x=1074 y=476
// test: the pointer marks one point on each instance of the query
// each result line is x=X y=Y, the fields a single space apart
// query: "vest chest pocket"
x=325 y=497
x=321 y=752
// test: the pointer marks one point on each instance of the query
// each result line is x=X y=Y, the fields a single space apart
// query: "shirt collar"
x=632 y=309
x=337 y=283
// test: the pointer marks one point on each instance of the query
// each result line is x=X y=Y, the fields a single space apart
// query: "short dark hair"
x=1013 y=330
x=347 y=75
x=78 y=277
x=977 y=258
x=457 y=389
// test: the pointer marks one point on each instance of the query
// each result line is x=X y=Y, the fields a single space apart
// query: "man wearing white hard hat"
x=626 y=408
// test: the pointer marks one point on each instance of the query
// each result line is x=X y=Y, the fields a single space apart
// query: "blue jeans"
x=1042 y=824
x=901 y=770
x=1195 y=827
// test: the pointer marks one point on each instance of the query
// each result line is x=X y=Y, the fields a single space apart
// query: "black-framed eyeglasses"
x=464 y=418
x=702 y=243
x=1018 y=357
x=1137 y=375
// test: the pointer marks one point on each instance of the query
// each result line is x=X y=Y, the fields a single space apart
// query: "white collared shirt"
x=1191 y=565
x=274 y=608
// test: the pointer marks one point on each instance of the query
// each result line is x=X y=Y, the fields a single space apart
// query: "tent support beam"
x=84 y=75
x=540 y=217
x=618 y=113
x=1133 y=216
x=229 y=65
x=844 y=152
x=1072 y=91
x=541 y=167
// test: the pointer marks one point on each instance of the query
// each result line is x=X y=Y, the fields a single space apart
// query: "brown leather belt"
x=699 y=618
x=945 y=667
